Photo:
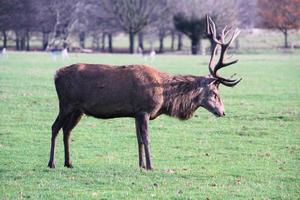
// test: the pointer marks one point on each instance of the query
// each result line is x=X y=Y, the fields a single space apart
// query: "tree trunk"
x=45 y=40
x=179 y=46
x=27 y=41
x=195 y=46
x=17 y=40
x=22 y=41
x=110 y=45
x=172 y=40
x=131 y=42
x=103 y=42
x=4 y=39
x=141 y=40
x=96 y=44
x=82 y=40
x=65 y=37
x=200 y=47
x=65 y=44
x=285 y=32
x=161 y=44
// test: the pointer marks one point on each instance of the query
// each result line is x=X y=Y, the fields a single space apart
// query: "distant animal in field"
x=140 y=51
x=152 y=55
x=137 y=91
x=56 y=53
x=65 y=54
x=4 y=53
x=146 y=55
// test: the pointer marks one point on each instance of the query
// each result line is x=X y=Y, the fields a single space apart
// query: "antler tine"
x=211 y=62
x=231 y=84
x=234 y=35
x=208 y=30
x=227 y=32
x=221 y=63
x=211 y=31
x=211 y=34
x=224 y=33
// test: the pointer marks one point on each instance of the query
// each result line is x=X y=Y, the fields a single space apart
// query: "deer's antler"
x=220 y=41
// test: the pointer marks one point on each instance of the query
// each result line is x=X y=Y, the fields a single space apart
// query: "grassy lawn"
x=252 y=153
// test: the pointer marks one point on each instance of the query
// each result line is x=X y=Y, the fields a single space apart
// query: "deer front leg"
x=143 y=121
x=140 y=145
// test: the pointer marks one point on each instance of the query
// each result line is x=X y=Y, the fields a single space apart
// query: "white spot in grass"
x=94 y=194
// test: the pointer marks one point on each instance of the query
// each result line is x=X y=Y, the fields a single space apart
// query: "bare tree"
x=224 y=13
x=86 y=19
x=282 y=15
x=65 y=18
x=246 y=11
x=18 y=16
x=193 y=27
x=6 y=19
x=133 y=15
x=45 y=20
x=191 y=15
x=107 y=24
x=165 y=25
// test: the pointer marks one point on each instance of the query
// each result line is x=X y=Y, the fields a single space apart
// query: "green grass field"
x=252 y=153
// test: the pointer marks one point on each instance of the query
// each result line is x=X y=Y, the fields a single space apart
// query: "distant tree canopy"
x=67 y=23
x=283 y=15
x=193 y=27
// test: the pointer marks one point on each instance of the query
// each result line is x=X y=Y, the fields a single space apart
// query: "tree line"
x=57 y=22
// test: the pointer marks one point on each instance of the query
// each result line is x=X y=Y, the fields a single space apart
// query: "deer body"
x=105 y=91
x=136 y=91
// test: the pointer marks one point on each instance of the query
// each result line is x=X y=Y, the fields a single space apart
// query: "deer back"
x=107 y=91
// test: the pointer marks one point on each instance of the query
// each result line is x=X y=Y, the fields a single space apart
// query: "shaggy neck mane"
x=180 y=96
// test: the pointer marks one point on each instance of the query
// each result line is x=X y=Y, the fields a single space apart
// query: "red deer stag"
x=137 y=91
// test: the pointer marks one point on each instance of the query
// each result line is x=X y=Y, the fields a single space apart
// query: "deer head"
x=211 y=99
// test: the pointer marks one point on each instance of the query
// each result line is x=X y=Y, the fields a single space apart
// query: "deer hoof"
x=149 y=168
x=68 y=165
x=51 y=165
x=143 y=166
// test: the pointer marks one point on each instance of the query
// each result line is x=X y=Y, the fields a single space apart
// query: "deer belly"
x=106 y=111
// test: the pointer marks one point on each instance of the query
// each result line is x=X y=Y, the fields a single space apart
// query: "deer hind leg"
x=140 y=145
x=57 y=125
x=143 y=121
x=70 y=123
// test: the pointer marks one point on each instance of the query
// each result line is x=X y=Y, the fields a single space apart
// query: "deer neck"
x=180 y=96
